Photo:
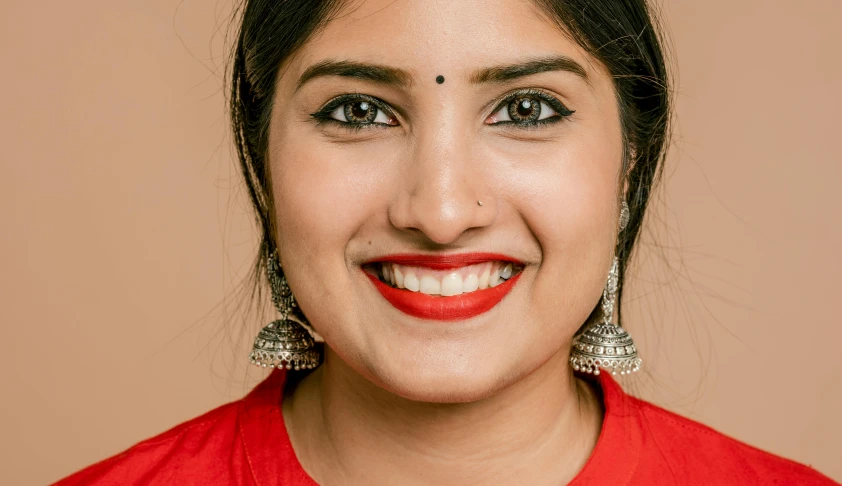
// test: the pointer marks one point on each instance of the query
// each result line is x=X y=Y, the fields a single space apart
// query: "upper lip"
x=442 y=261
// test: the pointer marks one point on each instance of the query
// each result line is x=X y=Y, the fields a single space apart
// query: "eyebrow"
x=505 y=73
x=391 y=76
x=359 y=70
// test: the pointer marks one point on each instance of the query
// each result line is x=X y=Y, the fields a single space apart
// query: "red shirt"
x=246 y=443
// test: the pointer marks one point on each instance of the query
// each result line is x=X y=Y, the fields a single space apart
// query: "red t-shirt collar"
x=273 y=462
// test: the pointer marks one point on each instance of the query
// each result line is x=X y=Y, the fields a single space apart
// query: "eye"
x=356 y=111
x=528 y=109
x=361 y=112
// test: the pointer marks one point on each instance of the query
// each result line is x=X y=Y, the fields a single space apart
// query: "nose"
x=443 y=188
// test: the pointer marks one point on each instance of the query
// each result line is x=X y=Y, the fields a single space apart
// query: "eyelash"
x=323 y=115
x=562 y=111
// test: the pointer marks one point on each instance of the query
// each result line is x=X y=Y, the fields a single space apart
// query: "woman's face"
x=391 y=170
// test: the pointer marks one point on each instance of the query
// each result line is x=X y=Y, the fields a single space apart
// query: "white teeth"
x=451 y=285
x=430 y=285
x=411 y=282
x=483 y=279
x=494 y=280
x=398 y=277
x=471 y=283
x=447 y=283
x=507 y=271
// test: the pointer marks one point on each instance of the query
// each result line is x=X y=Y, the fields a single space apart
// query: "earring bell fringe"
x=605 y=346
x=285 y=344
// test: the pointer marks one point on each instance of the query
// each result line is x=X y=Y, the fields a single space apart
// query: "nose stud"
x=479 y=203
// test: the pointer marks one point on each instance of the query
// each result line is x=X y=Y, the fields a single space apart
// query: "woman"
x=449 y=194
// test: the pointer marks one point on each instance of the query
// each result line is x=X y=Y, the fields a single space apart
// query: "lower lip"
x=454 y=308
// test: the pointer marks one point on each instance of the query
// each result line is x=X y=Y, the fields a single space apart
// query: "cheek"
x=577 y=240
x=573 y=207
x=567 y=191
x=570 y=205
x=322 y=195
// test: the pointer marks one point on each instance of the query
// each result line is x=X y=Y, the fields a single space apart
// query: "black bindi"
x=440 y=79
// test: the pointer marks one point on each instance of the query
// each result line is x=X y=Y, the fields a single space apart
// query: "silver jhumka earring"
x=607 y=345
x=284 y=343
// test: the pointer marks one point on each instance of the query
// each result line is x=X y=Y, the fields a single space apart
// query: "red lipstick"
x=453 y=308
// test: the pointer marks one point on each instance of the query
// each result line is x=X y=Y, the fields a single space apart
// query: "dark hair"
x=624 y=35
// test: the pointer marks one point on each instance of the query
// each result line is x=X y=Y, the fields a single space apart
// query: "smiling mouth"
x=446 y=283
x=444 y=288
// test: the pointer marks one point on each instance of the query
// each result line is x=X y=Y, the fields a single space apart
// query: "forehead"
x=432 y=37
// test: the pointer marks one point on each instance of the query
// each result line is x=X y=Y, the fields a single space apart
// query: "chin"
x=444 y=387
x=447 y=380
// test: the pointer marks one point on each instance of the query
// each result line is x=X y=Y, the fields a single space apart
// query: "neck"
x=346 y=430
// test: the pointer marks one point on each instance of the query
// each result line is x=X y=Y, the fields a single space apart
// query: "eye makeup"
x=523 y=105
x=324 y=114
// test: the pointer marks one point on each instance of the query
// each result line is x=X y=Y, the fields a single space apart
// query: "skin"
x=402 y=400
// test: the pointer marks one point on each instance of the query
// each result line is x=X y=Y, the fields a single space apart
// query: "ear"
x=628 y=166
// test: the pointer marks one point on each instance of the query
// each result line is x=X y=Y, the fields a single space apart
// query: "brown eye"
x=524 y=109
x=360 y=112
x=357 y=111
x=528 y=109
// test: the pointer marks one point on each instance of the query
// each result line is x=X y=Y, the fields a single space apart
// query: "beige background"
x=123 y=229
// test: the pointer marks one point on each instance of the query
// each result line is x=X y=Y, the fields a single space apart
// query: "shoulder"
x=697 y=454
x=192 y=449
